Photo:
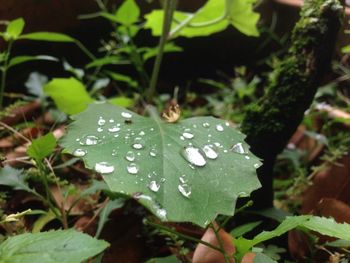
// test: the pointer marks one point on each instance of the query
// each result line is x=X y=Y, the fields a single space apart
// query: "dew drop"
x=217 y=144
x=130 y=156
x=162 y=180
x=101 y=121
x=104 y=168
x=114 y=152
x=219 y=128
x=154 y=186
x=89 y=140
x=256 y=165
x=126 y=115
x=185 y=190
x=100 y=129
x=206 y=124
x=247 y=157
x=153 y=152
x=111 y=120
x=210 y=152
x=114 y=129
x=187 y=135
x=132 y=168
x=182 y=138
x=79 y=152
x=238 y=148
x=138 y=143
x=183 y=179
x=193 y=156
x=142 y=133
x=227 y=124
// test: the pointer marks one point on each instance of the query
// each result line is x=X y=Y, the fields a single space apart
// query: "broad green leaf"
x=122 y=101
x=48 y=36
x=243 y=17
x=42 y=147
x=154 y=21
x=243 y=229
x=191 y=170
x=15 y=179
x=106 y=211
x=169 y=259
x=14 y=29
x=64 y=246
x=69 y=94
x=21 y=59
x=110 y=60
x=128 y=13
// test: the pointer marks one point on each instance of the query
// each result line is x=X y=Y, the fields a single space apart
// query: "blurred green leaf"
x=64 y=246
x=15 y=179
x=21 y=59
x=14 y=29
x=243 y=229
x=152 y=52
x=42 y=147
x=48 y=36
x=122 y=101
x=169 y=259
x=69 y=94
x=128 y=13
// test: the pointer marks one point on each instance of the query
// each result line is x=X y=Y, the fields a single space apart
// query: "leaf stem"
x=169 y=8
x=4 y=72
x=184 y=236
x=221 y=245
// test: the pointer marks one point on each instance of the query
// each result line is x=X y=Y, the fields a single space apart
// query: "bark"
x=270 y=122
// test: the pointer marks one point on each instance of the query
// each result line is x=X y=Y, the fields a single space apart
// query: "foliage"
x=66 y=246
x=165 y=164
x=42 y=147
x=213 y=17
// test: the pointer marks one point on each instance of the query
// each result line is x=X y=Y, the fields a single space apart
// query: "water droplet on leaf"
x=132 y=168
x=114 y=129
x=206 y=124
x=104 y=168
x=193 y=156
x=154 y=186
x=130 y=156
x=185 y=190
x=138 y=143
x=153 y=152
x=238 y=148
x=219 y=128
x=101 y=121
x=126 y=115
x=89 y=140
x=79 y=152
x=210 y=152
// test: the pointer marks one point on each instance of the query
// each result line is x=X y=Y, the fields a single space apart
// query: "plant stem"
x=221 y=245
x=4 y=73
x=169 y=8
x=184 y=236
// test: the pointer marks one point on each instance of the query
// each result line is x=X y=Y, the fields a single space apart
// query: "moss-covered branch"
x=271 y=122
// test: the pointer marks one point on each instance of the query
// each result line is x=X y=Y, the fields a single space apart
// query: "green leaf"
x=153 y=161
x=21 y=59
x=110 y=60
x=122 y=101
x=152 y=52
x=43 y=220
x=42 y=147
x=15 y=179
x=48 y=36
x=169 y=259
x=64 y=246
x=69 y=94
x=14 y=29
x=106 y=211
x=243 y=229
x=345 y=49
x=328 y=227
x=261 y=258
x=243 y=17
x=123 y=78
x=128 y=13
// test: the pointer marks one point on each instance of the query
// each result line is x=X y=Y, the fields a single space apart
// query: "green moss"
x=270 y=122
